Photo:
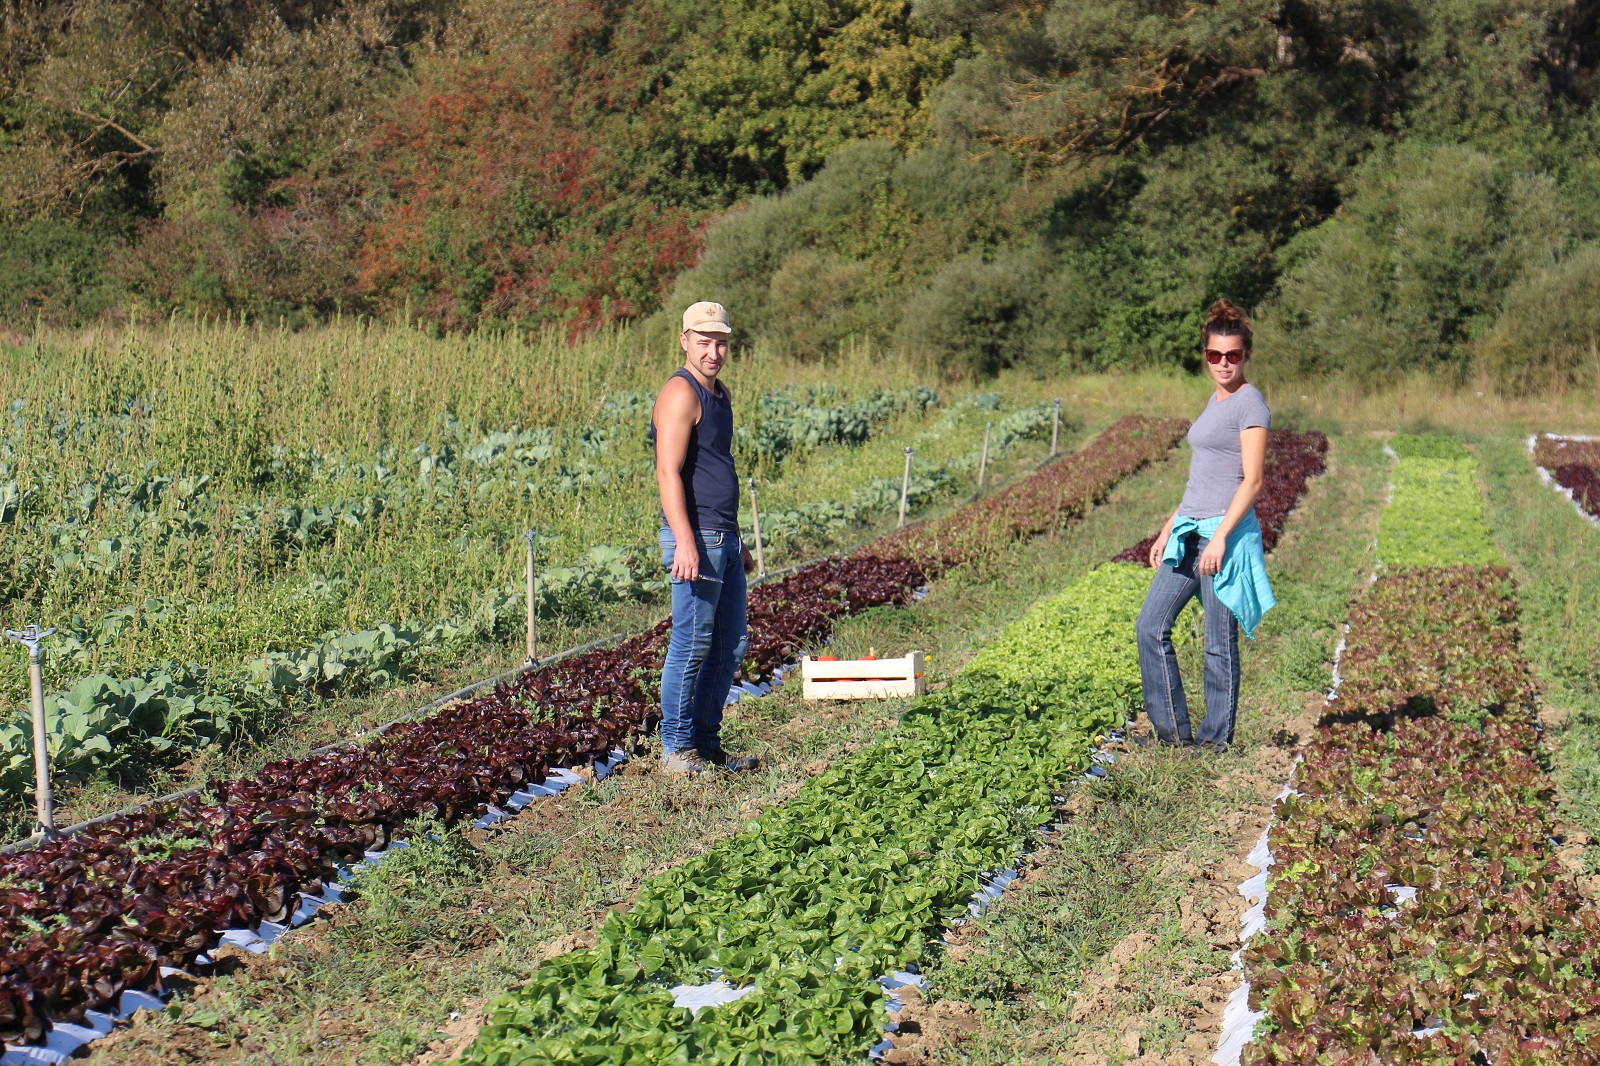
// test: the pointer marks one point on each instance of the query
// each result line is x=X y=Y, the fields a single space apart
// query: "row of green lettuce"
x=855 y=876
x=107 y=722
x=1435 y=515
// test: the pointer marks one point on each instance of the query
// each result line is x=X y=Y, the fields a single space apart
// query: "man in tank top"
x=692 y=430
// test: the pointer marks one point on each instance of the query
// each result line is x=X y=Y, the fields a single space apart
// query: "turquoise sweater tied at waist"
x=1242 y=583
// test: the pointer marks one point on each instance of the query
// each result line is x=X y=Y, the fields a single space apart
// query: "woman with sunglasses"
x=1211 y=546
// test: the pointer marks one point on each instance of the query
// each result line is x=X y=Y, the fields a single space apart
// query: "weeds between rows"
x=347 y=991
x=1551 y=548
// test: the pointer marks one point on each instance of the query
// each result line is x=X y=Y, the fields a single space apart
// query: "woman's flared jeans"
x=1164 y=702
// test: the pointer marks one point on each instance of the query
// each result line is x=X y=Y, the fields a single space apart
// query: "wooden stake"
x=533 y=607
x=983 y=461
x=1055 y=428
x=755 y=516
x=905 y=487
x=31 y=638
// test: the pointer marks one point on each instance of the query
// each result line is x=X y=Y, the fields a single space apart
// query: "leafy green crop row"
x=852 y=877
x=1435 y=517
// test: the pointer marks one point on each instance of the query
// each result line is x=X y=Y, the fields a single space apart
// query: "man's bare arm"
x=677 y=410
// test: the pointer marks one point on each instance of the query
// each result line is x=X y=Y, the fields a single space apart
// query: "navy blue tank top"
x=710 y=482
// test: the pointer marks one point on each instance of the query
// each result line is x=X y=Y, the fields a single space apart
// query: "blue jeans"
x=1172 y=589
x=708 y=642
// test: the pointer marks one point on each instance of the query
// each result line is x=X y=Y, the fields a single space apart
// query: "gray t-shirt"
x=1217 y=466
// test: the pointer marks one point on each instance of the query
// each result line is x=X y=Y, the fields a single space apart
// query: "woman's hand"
x=1159 y=548
x=749 y=561
x=1211 y=558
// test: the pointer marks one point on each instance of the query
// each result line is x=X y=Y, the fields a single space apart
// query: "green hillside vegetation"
x=977 y=183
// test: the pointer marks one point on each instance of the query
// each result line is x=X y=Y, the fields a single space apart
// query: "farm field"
x=1052 y=477
x=559 y=933
x=1433 y=975
x=224 y=601
x=329 y=337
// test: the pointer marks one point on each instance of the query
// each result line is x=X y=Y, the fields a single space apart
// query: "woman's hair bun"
x=1224 y=318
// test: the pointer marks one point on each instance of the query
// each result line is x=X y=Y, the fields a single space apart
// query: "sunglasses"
x=1234 y=357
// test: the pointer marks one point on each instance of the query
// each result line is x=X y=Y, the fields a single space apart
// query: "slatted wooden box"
x=862 y=679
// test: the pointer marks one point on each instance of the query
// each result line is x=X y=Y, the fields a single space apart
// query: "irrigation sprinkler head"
x=529 y=536
x=30 y=637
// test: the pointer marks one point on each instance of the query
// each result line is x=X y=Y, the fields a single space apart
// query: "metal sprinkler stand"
x=31 y=638
x=533 y=606
x=905 y=487
x=1055 y=428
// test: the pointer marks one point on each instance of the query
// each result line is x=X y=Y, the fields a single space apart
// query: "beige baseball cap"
x=706 y=317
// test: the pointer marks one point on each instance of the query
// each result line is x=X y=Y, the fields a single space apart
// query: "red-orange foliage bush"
x=537 y=187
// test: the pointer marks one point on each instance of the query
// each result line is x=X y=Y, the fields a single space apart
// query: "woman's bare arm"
x=1253 y=446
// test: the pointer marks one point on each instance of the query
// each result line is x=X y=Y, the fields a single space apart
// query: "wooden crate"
x=863 y=679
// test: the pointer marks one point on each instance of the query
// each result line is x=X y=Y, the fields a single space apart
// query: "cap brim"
x=709 y=327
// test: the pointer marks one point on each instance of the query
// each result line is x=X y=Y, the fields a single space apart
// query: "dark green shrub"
x=977 y=318
x=1411 y=271
x=1548 y=332
x=53 y=270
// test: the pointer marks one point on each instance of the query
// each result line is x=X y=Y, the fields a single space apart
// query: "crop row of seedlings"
x=85 y=917
x=1416 y=911
x=801 y=915
x=1435 y=515
x=1293 y=459
x=1573 y=463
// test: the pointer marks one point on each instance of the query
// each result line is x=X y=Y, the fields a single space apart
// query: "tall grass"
x=360 y=384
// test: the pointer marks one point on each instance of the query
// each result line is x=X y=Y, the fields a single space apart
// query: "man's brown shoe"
x=687 y=763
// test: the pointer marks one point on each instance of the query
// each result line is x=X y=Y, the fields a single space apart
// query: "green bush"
x=978 y=318
x=53 y=270
x=1411 y=271
x=1548 y=332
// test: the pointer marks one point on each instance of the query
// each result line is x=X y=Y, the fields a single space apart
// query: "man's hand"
x=1211 y=558
x=686 y=562
x=749 y=560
